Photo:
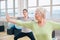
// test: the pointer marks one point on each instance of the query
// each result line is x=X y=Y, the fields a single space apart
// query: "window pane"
x=47 y=12
x=2 y=4
x=2 y=14
x=16 y=12
x=16 y=3
x=56 y=12
x=31 y=11
x=32 y=3
x=44 y=2
x=10 y=3
x=10 y=11
x=56 y=2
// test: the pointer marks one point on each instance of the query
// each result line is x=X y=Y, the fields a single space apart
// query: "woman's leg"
x=53 y=35
x=19 y=35
x=31 y=36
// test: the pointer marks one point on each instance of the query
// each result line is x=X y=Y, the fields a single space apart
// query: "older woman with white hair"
x=41 y=28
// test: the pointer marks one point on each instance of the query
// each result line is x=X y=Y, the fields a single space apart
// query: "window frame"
x=51 y=5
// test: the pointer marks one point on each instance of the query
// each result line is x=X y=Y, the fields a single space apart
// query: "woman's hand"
x=7 y=17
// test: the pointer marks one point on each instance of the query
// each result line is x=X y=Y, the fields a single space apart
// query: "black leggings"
x=20 y=35
x=53 y=34
x=30 y=35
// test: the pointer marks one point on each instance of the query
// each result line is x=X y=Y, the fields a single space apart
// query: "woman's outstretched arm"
x=55 y=25
x=28 y=24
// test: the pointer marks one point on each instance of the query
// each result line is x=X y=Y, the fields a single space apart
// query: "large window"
x=11 y=6
x=52 y=7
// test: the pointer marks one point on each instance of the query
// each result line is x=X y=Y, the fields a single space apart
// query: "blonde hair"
x=42 y=11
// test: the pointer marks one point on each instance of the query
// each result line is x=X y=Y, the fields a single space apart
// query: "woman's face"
x=25 y=13
x=38 y=16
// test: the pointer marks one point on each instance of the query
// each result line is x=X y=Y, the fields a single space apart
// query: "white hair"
x=42 y=11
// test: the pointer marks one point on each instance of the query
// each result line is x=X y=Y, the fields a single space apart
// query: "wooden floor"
x=4 y=36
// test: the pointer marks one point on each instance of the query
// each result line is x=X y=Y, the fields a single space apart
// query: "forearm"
x=12 y=21
x=9 y=19
x=56 y=25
